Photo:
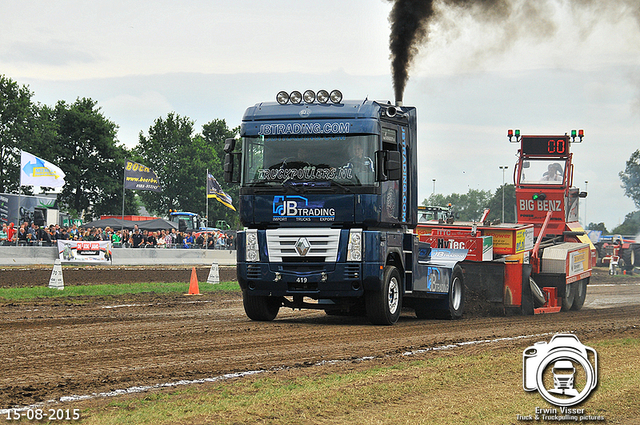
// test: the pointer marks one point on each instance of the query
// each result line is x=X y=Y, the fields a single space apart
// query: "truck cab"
x=329 y=202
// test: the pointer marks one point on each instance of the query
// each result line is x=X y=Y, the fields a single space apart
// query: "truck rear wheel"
x=261 y=308
x=383 y=307
x=580 y=291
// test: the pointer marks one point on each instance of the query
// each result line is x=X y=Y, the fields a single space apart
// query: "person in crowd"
x=12 y=233
x=43 y=236
x=74 y=231
x=162 y=241
x=188 y=241
x=151 y=241
x=136 y=238
x=179 y=239
x=4 y=235
x=169 y=239
x=116 y=239
x=23 y=236
x=200 y=239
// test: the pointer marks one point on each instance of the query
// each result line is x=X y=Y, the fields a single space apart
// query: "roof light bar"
x=309 y=96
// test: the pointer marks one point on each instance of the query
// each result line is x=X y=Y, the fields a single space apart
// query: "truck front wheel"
x=261 y=308
x=383 y=307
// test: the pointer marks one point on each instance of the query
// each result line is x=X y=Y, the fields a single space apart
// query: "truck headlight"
x=252 y=252
x=355 y=247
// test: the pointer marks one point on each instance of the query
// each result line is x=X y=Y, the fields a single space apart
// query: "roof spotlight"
x=282 y=97
x=336 y=96
x=309 y=96
x=295 y=97
x=323 y=96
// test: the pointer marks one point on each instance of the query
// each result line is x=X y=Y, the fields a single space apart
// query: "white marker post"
x=56 y=281
x=214 y=276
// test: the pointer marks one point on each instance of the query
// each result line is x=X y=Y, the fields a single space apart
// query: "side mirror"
x=229 y=167
x=388 y=165
x=229 y=145
x=582 y=194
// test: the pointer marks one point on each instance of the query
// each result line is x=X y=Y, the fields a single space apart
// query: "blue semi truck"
x=328 y=198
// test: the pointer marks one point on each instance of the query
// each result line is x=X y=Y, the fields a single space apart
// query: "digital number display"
x=547 y=145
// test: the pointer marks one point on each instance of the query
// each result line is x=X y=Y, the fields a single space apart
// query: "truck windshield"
x=542 y=171
x=343 y=159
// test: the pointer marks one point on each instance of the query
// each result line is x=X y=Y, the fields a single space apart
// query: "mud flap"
x=484 y=287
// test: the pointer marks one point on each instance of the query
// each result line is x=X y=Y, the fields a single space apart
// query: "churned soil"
x=52 y=349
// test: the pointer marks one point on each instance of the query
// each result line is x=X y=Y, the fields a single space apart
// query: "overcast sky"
x=547 y=67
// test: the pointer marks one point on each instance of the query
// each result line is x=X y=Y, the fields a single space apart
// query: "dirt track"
x=52 y=348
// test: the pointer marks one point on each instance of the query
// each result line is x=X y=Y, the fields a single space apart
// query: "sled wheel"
x=580 y=290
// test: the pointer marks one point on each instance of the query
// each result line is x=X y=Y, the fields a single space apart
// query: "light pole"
x=434 y=186
x=503 y=168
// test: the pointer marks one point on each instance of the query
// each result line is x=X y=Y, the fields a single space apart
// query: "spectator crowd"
x=34 y=235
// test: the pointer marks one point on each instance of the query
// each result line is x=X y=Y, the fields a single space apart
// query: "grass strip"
x=34 y=292
x=444 y=389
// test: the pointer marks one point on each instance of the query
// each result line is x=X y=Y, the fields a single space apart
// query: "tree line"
x=83 y=143
x=79 y=139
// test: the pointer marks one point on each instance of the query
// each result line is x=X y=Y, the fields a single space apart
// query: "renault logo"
x=302 y=246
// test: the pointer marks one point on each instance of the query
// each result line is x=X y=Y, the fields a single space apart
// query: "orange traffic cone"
x=193 y=286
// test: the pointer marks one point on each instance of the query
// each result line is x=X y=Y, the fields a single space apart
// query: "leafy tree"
x=630 y=226
x=84 y=146
x=495 y=204
x=598 y=226
x=631 y=178
x=180 y=159
x=471 y=206
x=467 y=207
x=16 y=116
x=214 y=134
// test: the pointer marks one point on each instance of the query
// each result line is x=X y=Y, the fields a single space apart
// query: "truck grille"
x=317 y=245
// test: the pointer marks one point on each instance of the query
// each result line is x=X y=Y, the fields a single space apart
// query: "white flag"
x=35 y=171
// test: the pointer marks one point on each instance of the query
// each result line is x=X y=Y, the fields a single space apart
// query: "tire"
x=527 y=305
x=261 y=308
x=626 y=258
x=384 y=307
x=635 y=255
x=580 y=294
x=569 y=297
x=456 y=296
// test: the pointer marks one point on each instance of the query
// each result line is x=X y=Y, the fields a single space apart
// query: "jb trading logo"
x=301 y=209
x=564 y=372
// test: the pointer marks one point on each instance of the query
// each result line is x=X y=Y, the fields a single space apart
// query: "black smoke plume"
x=412 y=20
x=409 y=25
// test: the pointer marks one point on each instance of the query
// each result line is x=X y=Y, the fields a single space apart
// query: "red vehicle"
x=623 y=251
x=542 y=263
